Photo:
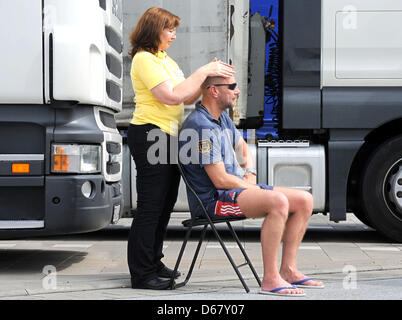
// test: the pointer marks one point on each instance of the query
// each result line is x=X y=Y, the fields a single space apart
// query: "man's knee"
x=280 y=205
x=306 y=202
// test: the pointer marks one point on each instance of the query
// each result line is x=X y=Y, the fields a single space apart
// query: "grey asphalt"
x=354 y=262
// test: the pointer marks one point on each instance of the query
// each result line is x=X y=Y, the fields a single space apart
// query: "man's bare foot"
x=280 y=286
x=297 y=278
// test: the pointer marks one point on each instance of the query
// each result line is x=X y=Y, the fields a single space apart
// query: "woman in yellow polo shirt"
x=160 y=91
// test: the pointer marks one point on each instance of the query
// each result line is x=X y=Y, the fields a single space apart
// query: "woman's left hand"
x=218 y=68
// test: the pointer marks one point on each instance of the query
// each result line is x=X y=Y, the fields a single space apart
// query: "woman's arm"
x=194 y=98
x=189 y=89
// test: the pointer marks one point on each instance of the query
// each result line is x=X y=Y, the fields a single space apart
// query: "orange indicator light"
x=20 y=168
x=60 y=163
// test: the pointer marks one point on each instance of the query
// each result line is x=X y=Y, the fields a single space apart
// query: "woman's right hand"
x=218 y=68
x=189 y=89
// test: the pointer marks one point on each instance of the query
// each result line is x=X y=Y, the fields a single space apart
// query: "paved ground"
x=348 y=256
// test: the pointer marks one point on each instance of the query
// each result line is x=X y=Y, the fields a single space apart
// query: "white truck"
x=332 y=81
x=61 y=84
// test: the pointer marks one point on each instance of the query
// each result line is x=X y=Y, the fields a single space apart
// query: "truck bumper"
x=66 y=208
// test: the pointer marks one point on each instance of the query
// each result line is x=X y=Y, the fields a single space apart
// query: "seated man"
x=209 y=147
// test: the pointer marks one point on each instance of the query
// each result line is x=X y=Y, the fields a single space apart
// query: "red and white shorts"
x=226 y=204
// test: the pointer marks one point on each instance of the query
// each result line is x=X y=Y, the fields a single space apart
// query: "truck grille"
x=114 y=65
x=113 y=164
x=114 y=52
x=113 y=91
x=102 y=4
x=114 y=39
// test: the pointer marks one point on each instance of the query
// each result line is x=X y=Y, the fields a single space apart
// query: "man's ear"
x=214 y=92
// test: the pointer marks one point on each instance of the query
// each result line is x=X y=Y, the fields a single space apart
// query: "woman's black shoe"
x=165 y=272
x=153 y=284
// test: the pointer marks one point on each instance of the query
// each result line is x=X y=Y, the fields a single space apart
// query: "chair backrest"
x=190 y=188
x=200 y=204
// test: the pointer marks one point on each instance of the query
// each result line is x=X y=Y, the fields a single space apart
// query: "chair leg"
x=202 y=237
x=234 y=234
x=236 y=269
x=176 y=267
x=196 y=253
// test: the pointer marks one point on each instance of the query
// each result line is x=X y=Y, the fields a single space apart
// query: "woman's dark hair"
x=146 y=35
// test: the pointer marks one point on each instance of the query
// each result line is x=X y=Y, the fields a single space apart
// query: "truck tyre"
x=381 y=189
x=361 y=215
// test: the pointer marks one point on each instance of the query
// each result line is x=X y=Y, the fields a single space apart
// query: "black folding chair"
x=205 y=222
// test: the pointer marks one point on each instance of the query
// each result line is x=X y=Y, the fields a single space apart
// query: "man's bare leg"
x=300 y=208
x=273 y=207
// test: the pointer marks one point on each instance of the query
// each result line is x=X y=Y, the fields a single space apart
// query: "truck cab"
x=330 y=110
x=60 y=150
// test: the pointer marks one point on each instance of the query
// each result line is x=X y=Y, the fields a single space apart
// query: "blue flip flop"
x=276 y=293
x=299 y=284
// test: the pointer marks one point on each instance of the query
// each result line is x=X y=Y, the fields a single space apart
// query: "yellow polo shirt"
x=147 y=71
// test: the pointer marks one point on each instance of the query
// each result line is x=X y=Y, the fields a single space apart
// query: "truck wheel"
x=361 y=215
x=381 y=189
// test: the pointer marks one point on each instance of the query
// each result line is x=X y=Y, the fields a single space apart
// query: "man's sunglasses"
x=231 y=86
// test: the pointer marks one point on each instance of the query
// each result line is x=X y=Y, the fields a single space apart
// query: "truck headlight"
x=75 y=158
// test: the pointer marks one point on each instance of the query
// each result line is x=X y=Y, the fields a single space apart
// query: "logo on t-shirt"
x=204 y=146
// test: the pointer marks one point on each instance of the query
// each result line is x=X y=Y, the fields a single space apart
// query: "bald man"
x=211 y=150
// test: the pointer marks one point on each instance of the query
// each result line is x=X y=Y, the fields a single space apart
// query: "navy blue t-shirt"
x=204 y=140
